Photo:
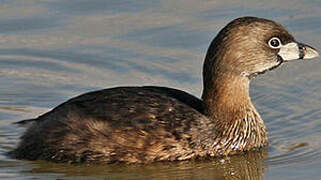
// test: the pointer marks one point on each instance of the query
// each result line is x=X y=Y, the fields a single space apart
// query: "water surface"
x=52 y=50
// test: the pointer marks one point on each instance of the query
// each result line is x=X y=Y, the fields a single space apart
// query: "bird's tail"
x=25 y=122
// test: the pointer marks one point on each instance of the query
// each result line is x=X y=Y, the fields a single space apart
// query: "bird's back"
x=125 y=124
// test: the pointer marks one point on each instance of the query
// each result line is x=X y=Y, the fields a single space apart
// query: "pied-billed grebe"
x=147 y=124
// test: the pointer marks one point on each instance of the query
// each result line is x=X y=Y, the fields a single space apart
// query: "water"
x=52 y=50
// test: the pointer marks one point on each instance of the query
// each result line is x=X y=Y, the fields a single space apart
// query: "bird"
x=145 y=124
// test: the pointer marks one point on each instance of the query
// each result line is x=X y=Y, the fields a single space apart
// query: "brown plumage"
x=147 y=124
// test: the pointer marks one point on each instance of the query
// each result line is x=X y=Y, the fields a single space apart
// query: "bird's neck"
x=228 y=105
x=226 y=97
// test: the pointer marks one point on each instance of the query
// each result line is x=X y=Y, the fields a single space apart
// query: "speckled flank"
x=132 y=124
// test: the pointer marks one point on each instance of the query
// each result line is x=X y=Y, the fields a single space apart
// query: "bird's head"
x=248 y=46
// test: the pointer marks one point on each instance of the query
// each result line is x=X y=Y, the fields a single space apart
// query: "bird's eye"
x=274 y=43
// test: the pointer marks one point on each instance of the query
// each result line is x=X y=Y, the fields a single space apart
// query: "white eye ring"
x=275 y=43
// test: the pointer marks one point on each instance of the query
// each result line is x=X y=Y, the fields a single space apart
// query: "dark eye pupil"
x=275 y=43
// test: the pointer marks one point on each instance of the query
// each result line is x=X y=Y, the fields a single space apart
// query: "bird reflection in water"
x=248 y=166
